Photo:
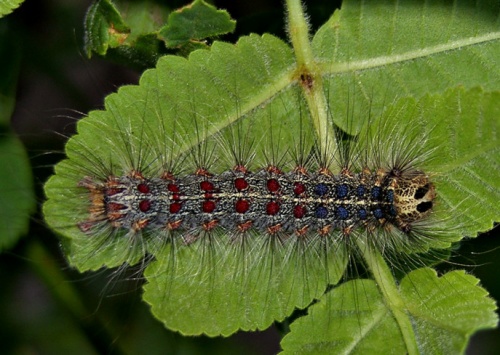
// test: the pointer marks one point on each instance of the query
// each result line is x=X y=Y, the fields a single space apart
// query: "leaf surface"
x=194 y=23
x=353 y=318
x=7 y=6
x=386 y=49
x=17 y=198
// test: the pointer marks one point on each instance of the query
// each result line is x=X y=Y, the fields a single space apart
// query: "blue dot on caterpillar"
x=267 y=200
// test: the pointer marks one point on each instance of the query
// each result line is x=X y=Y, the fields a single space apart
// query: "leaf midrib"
x=381 y=61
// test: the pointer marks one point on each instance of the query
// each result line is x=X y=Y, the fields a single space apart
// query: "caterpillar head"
x=414 y=198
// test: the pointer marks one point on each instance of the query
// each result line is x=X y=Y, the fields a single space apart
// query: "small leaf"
x=447 y=310
x=125 y=31
x=7 y=6
x=353 y=319
x=194 y=23
x=17 y=200
x=104 y=27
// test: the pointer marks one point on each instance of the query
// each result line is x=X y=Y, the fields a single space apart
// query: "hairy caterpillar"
x=268 y=200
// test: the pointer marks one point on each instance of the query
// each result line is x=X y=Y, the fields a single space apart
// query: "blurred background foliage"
x=46 y=307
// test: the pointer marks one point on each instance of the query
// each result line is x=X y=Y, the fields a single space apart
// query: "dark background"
x=58 y=84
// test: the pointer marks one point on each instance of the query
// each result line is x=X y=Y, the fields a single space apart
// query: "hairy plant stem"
x=308 y=74
x=390 y=292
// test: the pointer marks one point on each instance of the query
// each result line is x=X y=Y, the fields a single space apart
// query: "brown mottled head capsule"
x=413 y=198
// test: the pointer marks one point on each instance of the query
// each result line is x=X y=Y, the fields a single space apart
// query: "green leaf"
x=17 y=200
x=104 y=26
x=447 y=310
x=126 y=31
x=354 y=319
x=194 y=23
x=7 y=6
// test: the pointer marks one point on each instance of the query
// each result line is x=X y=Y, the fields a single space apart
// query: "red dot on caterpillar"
x=175 y=207
x=240 y=184
x=206 y=186
x=299 y=211
x=145 y=205
x=143 y=188
x=273 y=185
x=242 y=206
x=173 y=188
x=272 y=208
x=208 y=206
x=299 y=188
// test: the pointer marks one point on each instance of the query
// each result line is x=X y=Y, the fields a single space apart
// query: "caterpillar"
x=269 y=200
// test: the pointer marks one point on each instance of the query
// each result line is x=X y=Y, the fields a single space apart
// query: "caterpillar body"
x=269 y=201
